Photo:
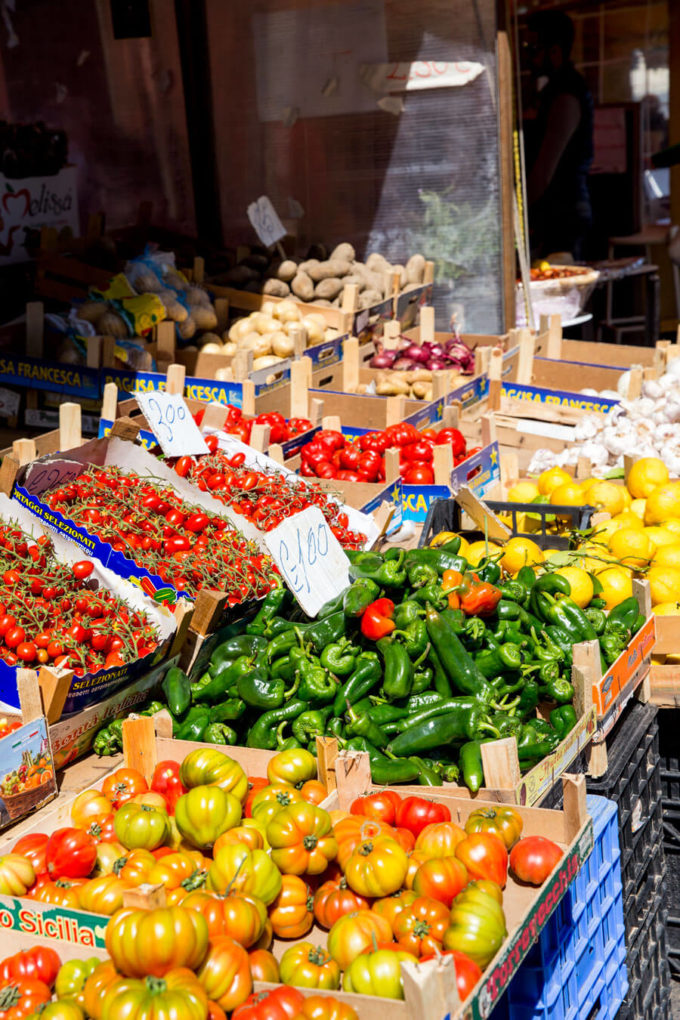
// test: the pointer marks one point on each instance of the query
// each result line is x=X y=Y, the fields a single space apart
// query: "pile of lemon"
x=642 y=535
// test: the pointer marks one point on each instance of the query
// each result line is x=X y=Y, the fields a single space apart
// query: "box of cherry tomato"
x=136 y=516
x=61 y=610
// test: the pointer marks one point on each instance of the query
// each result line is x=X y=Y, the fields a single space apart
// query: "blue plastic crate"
x=576 y=968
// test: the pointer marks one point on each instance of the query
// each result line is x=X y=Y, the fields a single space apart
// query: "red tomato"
x=70 y=853
x=283 y=1003
x=414 y=813
x=38 y=964
x=533 y=858
x=454 y=437
x=380 y=807
x=484 y=855
x=166 y=781
x=34 y=847
x=82 y=569
x=468 y=972
x=419 y=474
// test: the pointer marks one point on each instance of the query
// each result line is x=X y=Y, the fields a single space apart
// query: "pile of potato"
x=321 y=281
x=268 y=334
x=416 y=385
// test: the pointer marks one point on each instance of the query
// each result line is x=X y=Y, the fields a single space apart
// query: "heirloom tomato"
x=165 y=780
x=351 y=830
x=33 y=847
x=308 y=966
x=377 y=867
x=225 y=974
x=291 y=912
x=484 y=855
x=103 y=975
x=208 y=767
x=255 y=783
x=416 y=858
x=415 y=813
x=177 y=994
x=108 y=855
x=247 y=871
x=263 y=965
x=301 y=839
x=325 y=1007
x=334 y=899
x=468 y=972
x=136 y=867
x=70 y=853
x=122 y=785
x=390 y=906
x=504 y=822
x=71 y=978
x=39 y=963
x=354 y=932
x=241 y=917
x=88 y=805
x=295 y=766
x=16 y=875
x=440 y=839
x=477 y=922
x=187 y=868
x=60 y=1011
x=250 y=836
x=380 y=807
x=21 y=997
x=204 y=813
x=65 y=892
x=313 y=791
x=420 y=927
x=140 y=827
x=102 y=828
x=102 y=895
x=533 y=858
x=441 y=878
x=269 y=800
x=153 y=942
x=377 y=973
x=282 y=1003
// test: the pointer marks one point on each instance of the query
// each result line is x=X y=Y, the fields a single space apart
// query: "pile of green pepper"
x=389 y=668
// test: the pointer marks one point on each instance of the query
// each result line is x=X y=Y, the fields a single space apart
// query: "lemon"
x=664 y=584
x=581 y=584
x=616 y=585
x=646 y=475
x=662 y=503
x=628 y=519
x=593 y=557
x=672 y=525
x=549 y=553
x=567 y=494
x=550 y=479
x=603 y=532
x=667 y=556
x=478 y=550
x=638 y=507
x=523 y=492
x=606 y=496
x=521 y=552
x=627 y=498
x=666 y=609
x=587 y=484
x=660 y=536
x=632 y=547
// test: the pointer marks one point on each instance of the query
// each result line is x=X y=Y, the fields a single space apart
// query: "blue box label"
x=559 y=398
x=34 y=373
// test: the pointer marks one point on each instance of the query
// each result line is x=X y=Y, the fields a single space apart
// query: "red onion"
x=385 y=359
x=404 y=365
x=416 y=353
x=436 y=365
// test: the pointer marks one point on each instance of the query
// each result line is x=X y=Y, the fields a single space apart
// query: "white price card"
x=265 y=221
x=310 y=559
x=170 y=421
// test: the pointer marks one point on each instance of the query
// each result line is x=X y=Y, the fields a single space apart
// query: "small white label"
x=265 y=221
x=310 y=559
x=9 y=403
x=636 y=819
x=170 y=421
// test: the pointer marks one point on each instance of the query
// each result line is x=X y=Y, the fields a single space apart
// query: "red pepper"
x=478 y=598
x=376 y=621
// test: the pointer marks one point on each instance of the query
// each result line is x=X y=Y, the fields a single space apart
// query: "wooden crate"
x=665 y=675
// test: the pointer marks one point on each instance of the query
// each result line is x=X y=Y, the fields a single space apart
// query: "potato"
x=329 y=288
x=229 y=348
x=212 y=348
x=304 y=267
x=238 y=275
x=324 y=303
x=277 y=288
x=92 y=311
x=197 y=296
x=316 y=317
x=419 y=375
x=287 y=270
x=388 y=387
x=288 y=311
x=240 y=329
x=262 y=346
x=208 y=338
x=204 y=316
x=248 y=341
x=175 y=310
x=343 y=251
x=358 y=279
x=315 y=332
x=302 y=286
x=328 y=270
x=415 y=269
x=421 y=391
x=147 y=283
x=187 y=328
x=264 y=323
x=111 y=324
x=377 y=263
x=368 y=298
x=266 y=361
x=402 y=275
x=282 y=345
x=269 y=308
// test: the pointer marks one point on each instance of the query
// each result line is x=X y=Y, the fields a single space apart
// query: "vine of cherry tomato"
x=238 y=424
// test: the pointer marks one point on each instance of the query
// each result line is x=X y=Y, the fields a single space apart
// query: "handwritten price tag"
x=265 y=221
x=310 y=559
x=170 y=421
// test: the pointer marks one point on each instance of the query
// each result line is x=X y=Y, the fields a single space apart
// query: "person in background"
x=560 y=144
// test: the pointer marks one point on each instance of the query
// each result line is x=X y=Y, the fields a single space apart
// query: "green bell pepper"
x=458 y=664
x=472 y=770
x=228 y=711
x=263 y=732
x=440 y=731
x=563 y=719
x=387 y=572
x=219 y=733
x=193 y=724
x=339 y=657
x=363 y=726
x=367 y=674
x=176 y=687
x=234 y=647
x=222 y=681
x=415 y=635
x=420 y=575
x=271 y=604
x=259 y=691
x=398 y=669
x=359 y=596
x=311 y=724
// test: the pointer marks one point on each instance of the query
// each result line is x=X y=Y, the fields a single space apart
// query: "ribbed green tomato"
x=308 y=966
x=141 y=827
x=208 y=767
x=477 y=925
x=63 y=1010
x=377 y=973
x=247 y=871
x=153 y=942
x=204 y=813
x=178 y=994
x=71 y=979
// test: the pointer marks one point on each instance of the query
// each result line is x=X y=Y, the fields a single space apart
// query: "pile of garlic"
x=648 y=426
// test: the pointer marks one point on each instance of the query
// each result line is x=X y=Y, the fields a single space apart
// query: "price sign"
x=310 y=559
x=170 y=421
x=265 y=221
x=43 y=476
